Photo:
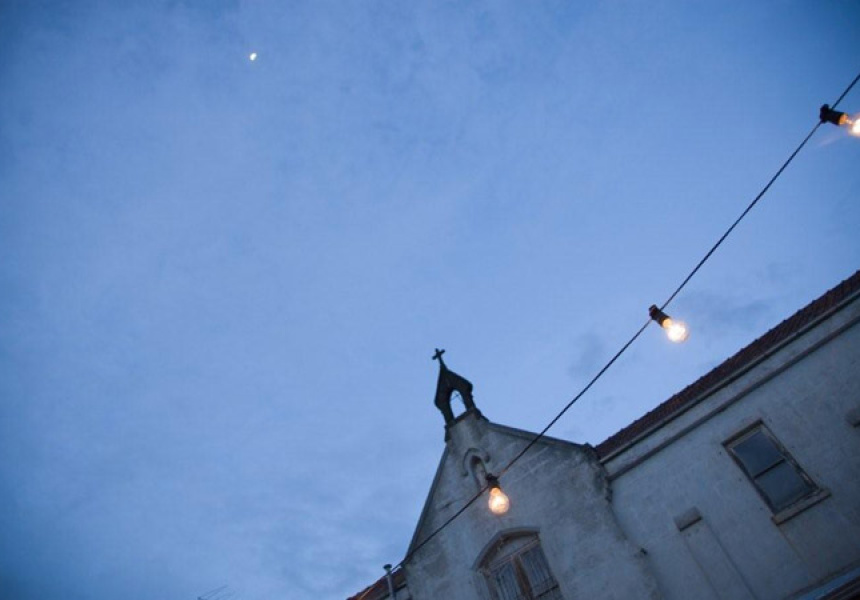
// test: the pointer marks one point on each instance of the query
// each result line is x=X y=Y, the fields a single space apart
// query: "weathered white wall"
x=805 y=393
x=558 y=489
x=675 y=492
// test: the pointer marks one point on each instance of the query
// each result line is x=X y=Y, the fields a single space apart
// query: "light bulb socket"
x=828 y=115
x=493 y=482
x=658 y=315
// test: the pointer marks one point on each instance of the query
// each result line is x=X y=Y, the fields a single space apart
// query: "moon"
x=253 y=56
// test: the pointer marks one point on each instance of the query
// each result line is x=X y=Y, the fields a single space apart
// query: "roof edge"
x=765 y=345
x=504 y=429
x=426 y=509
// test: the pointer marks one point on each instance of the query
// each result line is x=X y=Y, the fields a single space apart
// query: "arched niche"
x=475 y=464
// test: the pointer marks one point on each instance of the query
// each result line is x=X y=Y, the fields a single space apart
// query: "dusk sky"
x=222 y=280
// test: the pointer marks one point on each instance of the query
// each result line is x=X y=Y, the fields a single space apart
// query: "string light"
x=499 y=502
x=676 y=331
x=635 y=336
x=841 y=119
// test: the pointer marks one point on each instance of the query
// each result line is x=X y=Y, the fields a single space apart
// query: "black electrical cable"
x=528 y=446
x=845 y=93
x=740 y=218
x=577 y=397
x=443 y=525
x=756 y=199
x=624 y=348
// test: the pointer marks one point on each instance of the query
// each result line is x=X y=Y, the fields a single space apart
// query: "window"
x=518 y=570
x=778 y=479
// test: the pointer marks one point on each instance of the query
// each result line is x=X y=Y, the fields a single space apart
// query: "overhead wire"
x=741 y=217
x=633 y=338
x=756 y=199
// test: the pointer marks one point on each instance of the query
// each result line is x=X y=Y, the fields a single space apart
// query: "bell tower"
x=448 y=383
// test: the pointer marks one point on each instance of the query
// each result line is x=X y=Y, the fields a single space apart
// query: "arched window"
x=516 y=569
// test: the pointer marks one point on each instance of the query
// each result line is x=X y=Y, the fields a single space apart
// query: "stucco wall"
x=708 y=533
x=558 y=490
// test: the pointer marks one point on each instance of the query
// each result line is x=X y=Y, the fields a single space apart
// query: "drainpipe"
x=391 y=593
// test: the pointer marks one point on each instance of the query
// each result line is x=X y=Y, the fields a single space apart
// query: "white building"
x=744 y=485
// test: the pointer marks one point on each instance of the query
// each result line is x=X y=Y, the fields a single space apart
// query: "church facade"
x=744 y=485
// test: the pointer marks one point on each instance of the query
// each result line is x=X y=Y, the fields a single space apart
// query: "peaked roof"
x=503 y=429
x=770 y=340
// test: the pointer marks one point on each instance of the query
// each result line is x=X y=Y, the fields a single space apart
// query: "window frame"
x=812 y=489
x=501 y=558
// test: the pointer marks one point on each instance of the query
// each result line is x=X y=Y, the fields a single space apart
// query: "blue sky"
x=222 y=281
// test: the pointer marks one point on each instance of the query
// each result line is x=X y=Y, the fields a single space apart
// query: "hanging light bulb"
x=676 y=331
x=850 y=122
x=499 y=502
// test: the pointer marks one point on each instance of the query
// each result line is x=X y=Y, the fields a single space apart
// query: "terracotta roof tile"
x=379 y=589
x=744 y=357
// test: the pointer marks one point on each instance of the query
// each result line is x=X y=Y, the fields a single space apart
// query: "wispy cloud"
x=222 y=281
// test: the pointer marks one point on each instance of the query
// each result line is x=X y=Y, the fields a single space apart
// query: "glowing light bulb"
x=841 y=119
x=676 y=331
x=499 y=502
